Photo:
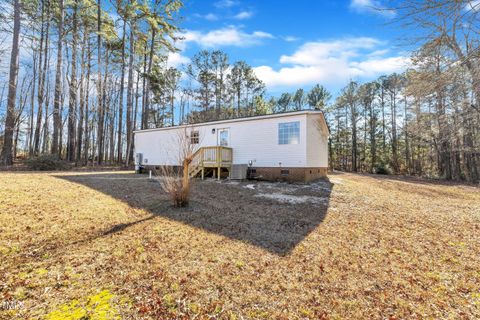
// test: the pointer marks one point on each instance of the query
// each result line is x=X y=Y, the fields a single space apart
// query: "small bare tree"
x=176 y=181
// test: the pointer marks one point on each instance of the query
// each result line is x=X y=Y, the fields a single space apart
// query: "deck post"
x=203 y=173
x=219 y=170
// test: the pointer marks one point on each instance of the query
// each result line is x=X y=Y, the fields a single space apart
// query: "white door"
x=223 y=137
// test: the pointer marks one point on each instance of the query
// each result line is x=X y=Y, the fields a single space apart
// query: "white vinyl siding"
x=254 y=140
x=317 y=142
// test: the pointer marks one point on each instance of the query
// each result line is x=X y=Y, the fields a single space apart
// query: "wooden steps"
x=210 y=158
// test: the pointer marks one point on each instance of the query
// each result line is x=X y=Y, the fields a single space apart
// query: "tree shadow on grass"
x=273 y=216
x=122 y=226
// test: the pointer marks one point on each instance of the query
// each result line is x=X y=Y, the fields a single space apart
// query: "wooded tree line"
x=426 y=121
x=89 y=78
x=82 y=90
x=397 y=125
x=225 y=91
x=207 y=88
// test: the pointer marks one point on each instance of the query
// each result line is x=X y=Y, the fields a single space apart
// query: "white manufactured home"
x=289 y=146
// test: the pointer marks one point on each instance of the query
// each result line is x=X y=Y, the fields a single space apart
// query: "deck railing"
x=210 y=157
x=216 y=155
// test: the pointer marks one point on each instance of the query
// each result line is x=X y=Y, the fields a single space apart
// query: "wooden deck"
x=212 y=159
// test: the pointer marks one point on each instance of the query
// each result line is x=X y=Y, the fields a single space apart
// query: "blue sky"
x=294 y=44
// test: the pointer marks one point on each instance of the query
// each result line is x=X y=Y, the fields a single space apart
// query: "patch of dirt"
x=287 y=198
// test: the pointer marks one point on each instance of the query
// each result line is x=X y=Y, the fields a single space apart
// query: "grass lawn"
x=108 y=245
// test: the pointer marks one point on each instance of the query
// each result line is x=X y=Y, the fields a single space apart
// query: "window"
x=223 y=137
x=289 y=133
x=195 y=137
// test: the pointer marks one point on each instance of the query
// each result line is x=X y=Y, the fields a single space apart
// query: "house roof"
x=243 y=119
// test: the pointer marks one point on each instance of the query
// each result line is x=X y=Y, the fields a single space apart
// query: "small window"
x=289 y=132
x=195 y=137
x=284 y=172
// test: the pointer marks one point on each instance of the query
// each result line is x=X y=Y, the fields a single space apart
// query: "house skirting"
x=287 y=174
x=159 y=169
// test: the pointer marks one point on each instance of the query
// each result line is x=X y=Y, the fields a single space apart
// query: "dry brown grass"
x=375 y=248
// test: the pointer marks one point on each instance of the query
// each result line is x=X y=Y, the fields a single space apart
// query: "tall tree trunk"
x=101 y=138
x=149 y=70
x=135 y=111
x=87 y=105
x=58 y=85
x=443 y=152
x=172 y=106
x=120 y=104
x=130 y=96
x=7 y=156
x=407 y=140
x=45 y=122
x=418 y=163
x=364 y=142
x=382 y=104
x=32 y=105
x=22 y=101
x=373 y=146
x=72 y=102
x=144 y=118
x=393 y=104
x=354 y=140
x=112 y=128
x=239 y=92
x=81 y=113
x=62 y=124
x=99 y=84
x=42 y=71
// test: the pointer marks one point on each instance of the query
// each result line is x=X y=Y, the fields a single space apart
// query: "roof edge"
x=250 y=118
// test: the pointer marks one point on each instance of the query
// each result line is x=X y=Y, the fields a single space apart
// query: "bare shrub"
x=175 y=180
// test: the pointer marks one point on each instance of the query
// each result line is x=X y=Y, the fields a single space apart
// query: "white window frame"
x=219 y=132
x=285 y=134
x=195 y=137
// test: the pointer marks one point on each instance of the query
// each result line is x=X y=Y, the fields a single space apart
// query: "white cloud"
x=243 y=15
x=291 y=38
x=225 y=3
x=209 y=16
x=371 y=6
x=176 y=59
x=331 y=63
x=381 y=65
x=380 y=52
x=313 y=52
x=293 y=76
x=228 y=36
